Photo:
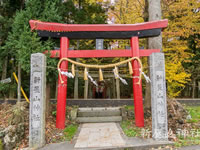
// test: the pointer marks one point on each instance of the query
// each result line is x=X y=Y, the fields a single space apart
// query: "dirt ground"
x=53 y=134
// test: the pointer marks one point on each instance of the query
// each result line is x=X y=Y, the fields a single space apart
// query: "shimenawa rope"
x=100 y=67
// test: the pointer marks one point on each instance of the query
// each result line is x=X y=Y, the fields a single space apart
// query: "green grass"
x=193 y=137
x=129 y=107
x=194 y=111
x=129 y=129
x=188 y=140
x=70 y=131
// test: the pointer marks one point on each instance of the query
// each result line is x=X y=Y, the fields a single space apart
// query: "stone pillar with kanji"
x=37 y=101
x=158 y=97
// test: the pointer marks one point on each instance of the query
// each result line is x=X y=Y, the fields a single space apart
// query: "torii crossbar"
x=99 y=31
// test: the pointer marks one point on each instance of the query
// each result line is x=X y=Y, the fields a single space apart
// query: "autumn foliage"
x=183 y=17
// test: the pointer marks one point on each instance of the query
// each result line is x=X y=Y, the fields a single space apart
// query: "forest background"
x=181 y=40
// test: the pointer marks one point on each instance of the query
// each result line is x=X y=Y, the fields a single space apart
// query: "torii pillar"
x=137 y=87
x=62 y=87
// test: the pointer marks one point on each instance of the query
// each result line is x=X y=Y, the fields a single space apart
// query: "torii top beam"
x=97 y=31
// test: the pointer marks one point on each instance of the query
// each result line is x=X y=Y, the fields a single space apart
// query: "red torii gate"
x=99 y=31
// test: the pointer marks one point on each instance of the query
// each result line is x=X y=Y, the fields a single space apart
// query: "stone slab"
x=99 y=112
x=97 y=135
x=99 y=119
x=98 y=109
x=99 y=102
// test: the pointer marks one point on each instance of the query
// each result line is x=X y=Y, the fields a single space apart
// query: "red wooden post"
x=137 y=88
x=62 y=87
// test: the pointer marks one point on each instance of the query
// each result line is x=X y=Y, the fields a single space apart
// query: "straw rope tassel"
x=130 y=68
x=85 y=75
x=73 y=70
x=100 y=75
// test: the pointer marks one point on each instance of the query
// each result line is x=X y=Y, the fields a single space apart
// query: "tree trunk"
x=147 y=98
x=146 y=12
x=76 y=76
x=114 y=89
x=155 y=14
x=19 y=83
x=154 y=9
x=48 y=96
x=118 y=88
x=56 y=93
x=193 y=88
x=76 y=83
x=4 y=73
x=198 y=89
x=22 y=4
x=86 y=90
x=12 y=92
x=90 y=90
x=190 y=91
x=4 y=68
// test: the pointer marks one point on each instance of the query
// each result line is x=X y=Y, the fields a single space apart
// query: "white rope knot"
x=92 y=80
x=68 y=74
x=121 y=79
x=148 y=80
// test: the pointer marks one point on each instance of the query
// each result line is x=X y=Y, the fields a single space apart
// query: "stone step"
x=99 y=119
x=99 y=112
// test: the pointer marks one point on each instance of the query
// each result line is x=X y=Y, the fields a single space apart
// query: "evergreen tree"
x=22 y=42
x=84 y=12
x=8 y=9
